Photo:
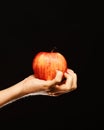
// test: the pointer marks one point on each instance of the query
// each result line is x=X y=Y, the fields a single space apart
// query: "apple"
x=45 y=64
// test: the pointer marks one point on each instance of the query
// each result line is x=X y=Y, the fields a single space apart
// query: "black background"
x=27 y=31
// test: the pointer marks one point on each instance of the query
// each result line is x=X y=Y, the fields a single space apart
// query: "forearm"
x=10 y=94
x=22 y=89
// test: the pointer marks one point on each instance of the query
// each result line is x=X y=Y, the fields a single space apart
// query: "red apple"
x=45 y=64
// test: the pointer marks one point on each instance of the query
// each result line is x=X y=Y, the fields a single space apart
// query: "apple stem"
x=54 y=49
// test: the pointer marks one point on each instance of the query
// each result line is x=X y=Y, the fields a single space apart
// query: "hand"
x=54 y=87
x=34 y=86
x=67 y=85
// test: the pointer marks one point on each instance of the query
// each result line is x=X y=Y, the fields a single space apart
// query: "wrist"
x=30 y=86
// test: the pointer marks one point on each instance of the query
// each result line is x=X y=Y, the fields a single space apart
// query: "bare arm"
x=9 y=94
x=33 y=86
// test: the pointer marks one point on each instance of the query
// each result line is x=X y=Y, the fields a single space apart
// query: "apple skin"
x=45 y=64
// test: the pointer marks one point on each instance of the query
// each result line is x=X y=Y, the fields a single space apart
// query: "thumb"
x=57 y=79
x=59 y=76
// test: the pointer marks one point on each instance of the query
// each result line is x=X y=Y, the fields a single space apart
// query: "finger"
x=74 y=86
x=69 y=81
x=67 y=84
x=74 y=76
x=56 y=80
x=59 y=76
x=70 y=71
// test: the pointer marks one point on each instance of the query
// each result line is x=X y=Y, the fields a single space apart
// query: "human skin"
x=34 y=86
